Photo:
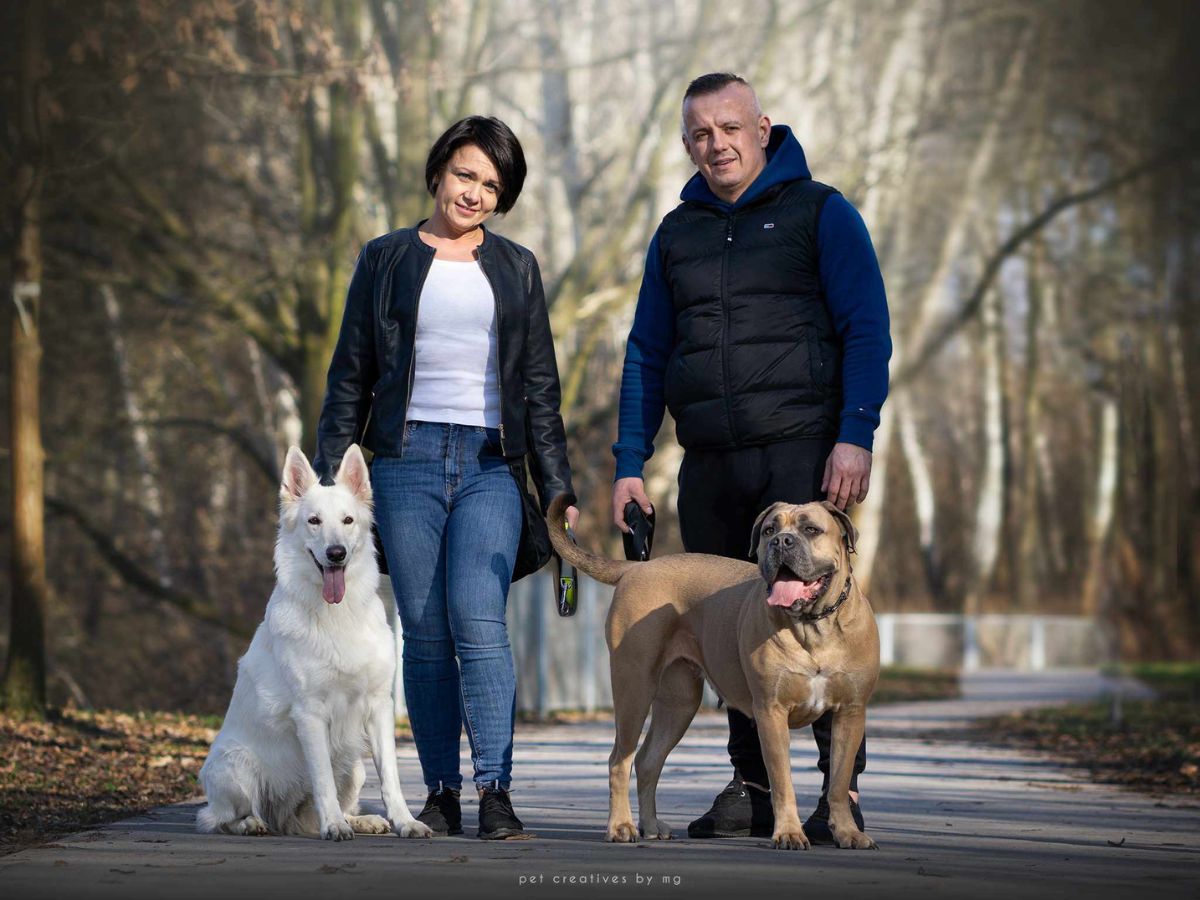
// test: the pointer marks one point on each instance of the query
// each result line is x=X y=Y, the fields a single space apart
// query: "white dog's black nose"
x=783 y=541
x=336 y=554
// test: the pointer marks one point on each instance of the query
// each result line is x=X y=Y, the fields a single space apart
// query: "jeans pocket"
x=406 y=435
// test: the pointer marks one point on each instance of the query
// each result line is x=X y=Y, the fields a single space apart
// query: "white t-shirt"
x=455 y=376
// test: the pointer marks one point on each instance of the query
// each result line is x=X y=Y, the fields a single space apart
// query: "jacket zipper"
x=499 y=344
x=412 y=360
x=725 y=329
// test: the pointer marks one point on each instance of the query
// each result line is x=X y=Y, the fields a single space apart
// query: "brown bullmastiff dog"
x=782 y=642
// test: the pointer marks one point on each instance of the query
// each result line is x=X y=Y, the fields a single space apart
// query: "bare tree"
x=23 y=689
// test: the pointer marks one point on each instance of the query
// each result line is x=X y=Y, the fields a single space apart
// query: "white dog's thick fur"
x=313 y=692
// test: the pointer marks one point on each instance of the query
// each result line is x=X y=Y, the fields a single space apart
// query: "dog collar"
x=832 y=609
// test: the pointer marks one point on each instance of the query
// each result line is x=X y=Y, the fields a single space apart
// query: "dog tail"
x=604 y=570
x=206 y=820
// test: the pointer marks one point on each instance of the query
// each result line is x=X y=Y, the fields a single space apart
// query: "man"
x=762 y=325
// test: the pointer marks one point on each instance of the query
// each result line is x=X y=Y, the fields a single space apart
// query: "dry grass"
x=82 y=768
x=1151 y=745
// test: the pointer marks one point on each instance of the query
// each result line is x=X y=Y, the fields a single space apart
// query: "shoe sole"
x=443 y=832
x=745 y=832
x=506 y=834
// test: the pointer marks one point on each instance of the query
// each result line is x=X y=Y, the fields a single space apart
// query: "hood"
x=785 y=162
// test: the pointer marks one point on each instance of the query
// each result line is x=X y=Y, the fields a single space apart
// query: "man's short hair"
x=498 y=143
x=710 y=84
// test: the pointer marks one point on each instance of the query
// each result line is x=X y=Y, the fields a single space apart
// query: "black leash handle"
x=639 y=540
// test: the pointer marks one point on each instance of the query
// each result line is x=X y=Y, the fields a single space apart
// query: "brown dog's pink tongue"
x=787 y=591
x=335 y=584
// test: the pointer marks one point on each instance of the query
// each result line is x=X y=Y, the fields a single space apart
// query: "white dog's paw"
x=338 y=831
x=251 y=825
x=369 y=824
x=414 y=829
x=658 y=830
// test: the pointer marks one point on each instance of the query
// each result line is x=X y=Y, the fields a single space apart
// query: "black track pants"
x=721 y=493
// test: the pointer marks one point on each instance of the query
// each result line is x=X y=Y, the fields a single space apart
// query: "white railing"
x=1026 y=642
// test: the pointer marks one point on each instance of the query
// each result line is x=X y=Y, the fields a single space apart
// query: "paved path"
x=952 y=820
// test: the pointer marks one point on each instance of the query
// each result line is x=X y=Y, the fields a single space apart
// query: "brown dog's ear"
x=849 y=532
x=758 y=524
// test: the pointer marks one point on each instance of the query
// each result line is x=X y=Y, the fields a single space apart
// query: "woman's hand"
x=572 y=516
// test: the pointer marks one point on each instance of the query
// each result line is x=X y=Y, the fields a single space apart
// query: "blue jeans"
x=449 y=514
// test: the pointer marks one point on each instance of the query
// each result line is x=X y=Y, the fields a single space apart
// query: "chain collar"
x=829 y=611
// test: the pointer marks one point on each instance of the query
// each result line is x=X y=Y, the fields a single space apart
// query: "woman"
x=445 y=359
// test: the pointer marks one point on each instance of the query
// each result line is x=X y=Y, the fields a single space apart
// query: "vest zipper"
x=725 y=329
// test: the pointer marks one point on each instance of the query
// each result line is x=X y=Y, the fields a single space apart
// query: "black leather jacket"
x=371 y=373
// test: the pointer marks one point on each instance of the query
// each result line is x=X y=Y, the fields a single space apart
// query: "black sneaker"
x=497 y=821
x=740 y=810
x=442 y=812
x=816 y=829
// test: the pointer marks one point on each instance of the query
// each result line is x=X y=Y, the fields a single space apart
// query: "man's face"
x=726 y=138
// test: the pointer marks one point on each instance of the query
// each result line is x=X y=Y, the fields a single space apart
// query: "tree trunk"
x=894 y=113
x=149 y=495
x=989 y=508
x=1103 y=506
x=927 y=306
x=924 y=499
x=23 y=691
x=331 y=136
x=1025 y=563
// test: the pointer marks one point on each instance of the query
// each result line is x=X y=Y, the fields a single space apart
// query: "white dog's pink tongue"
x=787 y=591
x=335 y=584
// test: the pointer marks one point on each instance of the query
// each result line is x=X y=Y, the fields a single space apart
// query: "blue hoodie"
x=853 y=287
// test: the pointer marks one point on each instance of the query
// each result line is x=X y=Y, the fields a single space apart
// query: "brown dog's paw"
x=622 y=833
x=854 y=840
x=658 y=830
x=790 y=840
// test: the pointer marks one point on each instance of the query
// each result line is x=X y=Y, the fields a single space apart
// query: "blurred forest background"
x=186 y=185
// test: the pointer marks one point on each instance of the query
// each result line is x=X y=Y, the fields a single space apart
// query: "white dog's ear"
x=298 y=476
x=354 y=475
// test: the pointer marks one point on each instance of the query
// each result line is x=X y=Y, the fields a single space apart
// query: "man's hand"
x=847 y=475
x=624 y=490
x=572 y=514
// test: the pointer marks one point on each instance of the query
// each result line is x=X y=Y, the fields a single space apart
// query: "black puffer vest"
x=756 y=357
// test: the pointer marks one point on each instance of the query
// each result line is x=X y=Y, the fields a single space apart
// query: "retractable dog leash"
x=638 y=543
x=567 y=580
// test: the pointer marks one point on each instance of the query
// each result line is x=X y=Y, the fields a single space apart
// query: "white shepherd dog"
x=314 y=691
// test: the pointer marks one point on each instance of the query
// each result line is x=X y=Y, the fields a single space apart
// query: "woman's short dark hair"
x=496 y=140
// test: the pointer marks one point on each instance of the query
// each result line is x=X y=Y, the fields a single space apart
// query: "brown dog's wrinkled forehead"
x=797 y=516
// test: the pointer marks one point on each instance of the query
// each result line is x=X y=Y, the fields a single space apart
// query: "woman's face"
x=468 y=189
